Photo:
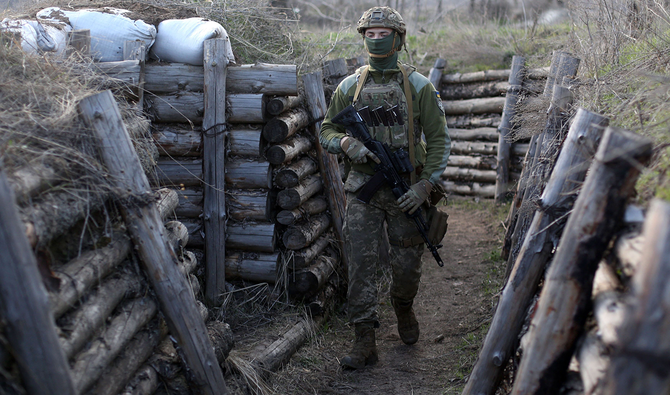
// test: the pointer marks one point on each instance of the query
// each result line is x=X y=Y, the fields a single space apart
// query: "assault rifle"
x=388 y=171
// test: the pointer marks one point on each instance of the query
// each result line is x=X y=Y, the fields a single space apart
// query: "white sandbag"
x=109 y=28
x=38 y=37
x=181 y=40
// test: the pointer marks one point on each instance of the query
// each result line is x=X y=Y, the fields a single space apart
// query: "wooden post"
x=101 y=112
x=137 y=50
x=330 y=171
x=502 y=171
x=435 y=74
x=569 y=172
x=563 y=304
x=214 y=158
x=79 y=41
x=638 y=361
x=31 y=330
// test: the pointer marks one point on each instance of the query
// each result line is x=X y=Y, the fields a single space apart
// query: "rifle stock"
x=391 y=165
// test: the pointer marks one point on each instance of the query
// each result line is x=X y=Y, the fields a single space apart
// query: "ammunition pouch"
x=437 y=228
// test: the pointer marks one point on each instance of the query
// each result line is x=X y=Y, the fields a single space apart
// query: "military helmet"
x=382 y=17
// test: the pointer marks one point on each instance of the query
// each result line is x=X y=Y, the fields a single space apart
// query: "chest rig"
x=387 y=111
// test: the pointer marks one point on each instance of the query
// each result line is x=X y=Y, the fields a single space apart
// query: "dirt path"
x=454 y=306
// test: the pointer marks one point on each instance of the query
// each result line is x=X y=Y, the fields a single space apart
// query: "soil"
x=454 y=306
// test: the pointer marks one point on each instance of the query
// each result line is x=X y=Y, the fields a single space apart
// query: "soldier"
x=401 y=108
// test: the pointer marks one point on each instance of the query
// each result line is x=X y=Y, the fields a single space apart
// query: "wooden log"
x=190 y=203
x=285 y=125
x=167 y=200
x=473 y=162
x=473 y=106
x=458 y=147
x=126 y=72
x=290 y=198
x=248 y=174
x=473 y=121
x=178 y=140
x=279 y=104
x=35 y=177
x=643 y=344
x=252 y=266
x=505 y=128
x=171 y=287
x=300 y=236
x=435 y=74
x=335 y=68
x=320 y=304
x=476 y=189
x=43 y=223
x=291 y=175
x=93 y=313
x=29 y=329
x=176 y=235
x=270 y=79
x=291 y=148
x=628 y=253
x=251 y=236
x=312 y=206
x=570 y=170
x=490 y=75
x=599 y=209
x=485 y=134
x=244 y=141
x=306 y=283
x=474 y=90
x=520 y=149
x=301 y=259
x=89 y=365
x=188 y=107
x=250 y=205
x=196 y=233
x=461 y=174
x=178 y=172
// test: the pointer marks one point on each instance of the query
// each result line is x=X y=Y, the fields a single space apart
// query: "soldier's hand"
x=356 y=151
x=414 y=198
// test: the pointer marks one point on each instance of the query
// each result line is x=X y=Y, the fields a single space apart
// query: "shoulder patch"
x=439 y=102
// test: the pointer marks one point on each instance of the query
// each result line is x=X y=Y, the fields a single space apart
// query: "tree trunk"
x=248 y=174
x=252 y=267
x=251 y=236
x=460 y=174
x=177 y=303
x=312 y=206
x=279 y=104
x=300 y=236
x=562 y=308
x=303 y=258
x=30 y=329
x=293 y=147
x=504 y=146
x=290 y=198
x=473 y=106
x=291 y=175
x=306 y=283
x=527 y=270
x=250 y=205
x=244 y=141
x=178 y=140
x=644 y=345
x=285 y=125
x=270 y=79
x=486 y=134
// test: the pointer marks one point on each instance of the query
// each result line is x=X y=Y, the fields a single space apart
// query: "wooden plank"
x=562 y=309
x=30 y=328
x=177 y=303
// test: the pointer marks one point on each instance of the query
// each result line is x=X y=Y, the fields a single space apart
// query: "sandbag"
x=38 y=37
x=181 y=40
x=109 y=28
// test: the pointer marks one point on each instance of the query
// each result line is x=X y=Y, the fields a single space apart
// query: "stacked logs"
x=473 y=103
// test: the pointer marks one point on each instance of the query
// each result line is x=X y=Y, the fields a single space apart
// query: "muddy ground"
x=454 y=306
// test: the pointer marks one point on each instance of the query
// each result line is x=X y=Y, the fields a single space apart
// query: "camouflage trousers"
x=362 y=229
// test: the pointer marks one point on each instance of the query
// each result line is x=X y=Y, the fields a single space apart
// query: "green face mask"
x=383 y=46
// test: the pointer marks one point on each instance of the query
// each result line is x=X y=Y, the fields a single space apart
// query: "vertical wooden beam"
x=435 y=74
x=146 y=228
x=569 y=172
x=639 y=361
x=330 y=170
x=502 y=171
x=563 y=306
x=214 y=157
x=24 y=304
x=137 y=50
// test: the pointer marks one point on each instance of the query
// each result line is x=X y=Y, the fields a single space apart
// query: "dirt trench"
x=454 y=307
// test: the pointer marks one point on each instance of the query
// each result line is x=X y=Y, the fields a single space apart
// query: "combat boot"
x=408 y=326
x=364 y=351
